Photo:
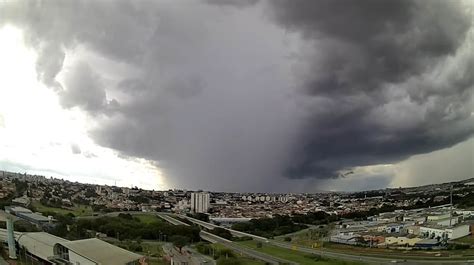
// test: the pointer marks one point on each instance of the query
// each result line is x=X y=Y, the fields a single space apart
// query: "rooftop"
x=101 y=251
x=40 y=244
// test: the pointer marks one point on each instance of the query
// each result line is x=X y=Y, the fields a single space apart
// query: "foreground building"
x=45 y=248
x=93 y=251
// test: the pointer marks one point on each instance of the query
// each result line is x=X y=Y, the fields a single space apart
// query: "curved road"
x=326 y=253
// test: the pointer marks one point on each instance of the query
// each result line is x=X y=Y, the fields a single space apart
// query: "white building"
x=183 y=205
x=200 y=202
x=93 y=251
x=449 y=233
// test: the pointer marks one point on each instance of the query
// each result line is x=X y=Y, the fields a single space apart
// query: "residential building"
x=200 y=202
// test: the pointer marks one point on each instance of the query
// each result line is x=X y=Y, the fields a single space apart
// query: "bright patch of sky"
x=37 y=134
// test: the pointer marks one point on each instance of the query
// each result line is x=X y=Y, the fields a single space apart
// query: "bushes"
x=287 y=239
x=221 y=232
x=269 y=227
x=132 y=228
x=208 y=249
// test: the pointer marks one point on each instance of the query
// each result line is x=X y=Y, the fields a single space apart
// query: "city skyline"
x=258 y=96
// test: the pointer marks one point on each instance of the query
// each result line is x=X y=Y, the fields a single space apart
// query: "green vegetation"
x=294 y=255
x=224 y=233
x=147 y=218
x=126 y=226
x=467 y=240
x=307 y=237
x=269 y=227
x=179 y=241
x=77 y=210
x=223 y=255
x=314 y=218
x=153 y=249
x=200 y=216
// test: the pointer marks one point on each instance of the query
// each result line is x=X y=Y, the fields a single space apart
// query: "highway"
x=332 y=254
x=231 y=245
x=172 y=220
x=325 y=252
x=233 y=232
x=368 y=259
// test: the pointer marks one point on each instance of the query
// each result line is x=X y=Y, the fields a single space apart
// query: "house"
x=374 y=239
x=402 y=241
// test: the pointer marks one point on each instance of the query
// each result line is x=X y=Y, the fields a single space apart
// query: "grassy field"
x=243 y=259
x=153 y=249
x=77 y=210
x=148 y=218
x=310 y=237
x=292 y=255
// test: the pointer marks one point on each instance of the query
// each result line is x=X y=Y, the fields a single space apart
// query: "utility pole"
x=451 y=210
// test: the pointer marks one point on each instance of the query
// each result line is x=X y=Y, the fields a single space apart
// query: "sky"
x=247 y=95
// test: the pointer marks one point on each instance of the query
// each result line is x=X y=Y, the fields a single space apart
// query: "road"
x=332 y=254
x=231 y=245
x=233 y=232
x=324 y=252
x=367 y=259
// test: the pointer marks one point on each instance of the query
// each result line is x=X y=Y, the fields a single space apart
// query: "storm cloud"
x=383 y=80
x=251 y=95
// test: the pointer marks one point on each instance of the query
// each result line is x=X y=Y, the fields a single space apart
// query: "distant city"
x=437 y=218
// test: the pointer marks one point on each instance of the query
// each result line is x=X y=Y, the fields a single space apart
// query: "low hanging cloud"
x=208 y=93
x=383 y=80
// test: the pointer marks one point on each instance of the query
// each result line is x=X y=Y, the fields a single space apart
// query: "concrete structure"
x=444 y=233
x=39 y=245
x=437 y=216
x=94 y=251
x=11 y=238
x=200 y=202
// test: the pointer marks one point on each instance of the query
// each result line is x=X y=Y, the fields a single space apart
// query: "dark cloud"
x=207 y=92
x=84 y=89
x=369 y=86
x=75 y=149
x=233 y=3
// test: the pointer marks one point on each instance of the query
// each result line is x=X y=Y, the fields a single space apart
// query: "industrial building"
x=93 y=251
x=45 y=248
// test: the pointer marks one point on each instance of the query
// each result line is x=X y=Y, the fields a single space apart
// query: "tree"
x=179 y=241
x=221 y=232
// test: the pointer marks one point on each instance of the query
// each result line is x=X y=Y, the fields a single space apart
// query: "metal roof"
x=40 y=244
x=100 y=251
x=33 y=216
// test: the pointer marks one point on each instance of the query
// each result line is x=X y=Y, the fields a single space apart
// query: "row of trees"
x=270 y=227
x=122 y=227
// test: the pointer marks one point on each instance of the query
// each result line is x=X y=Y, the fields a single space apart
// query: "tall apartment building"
x=200 y=202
